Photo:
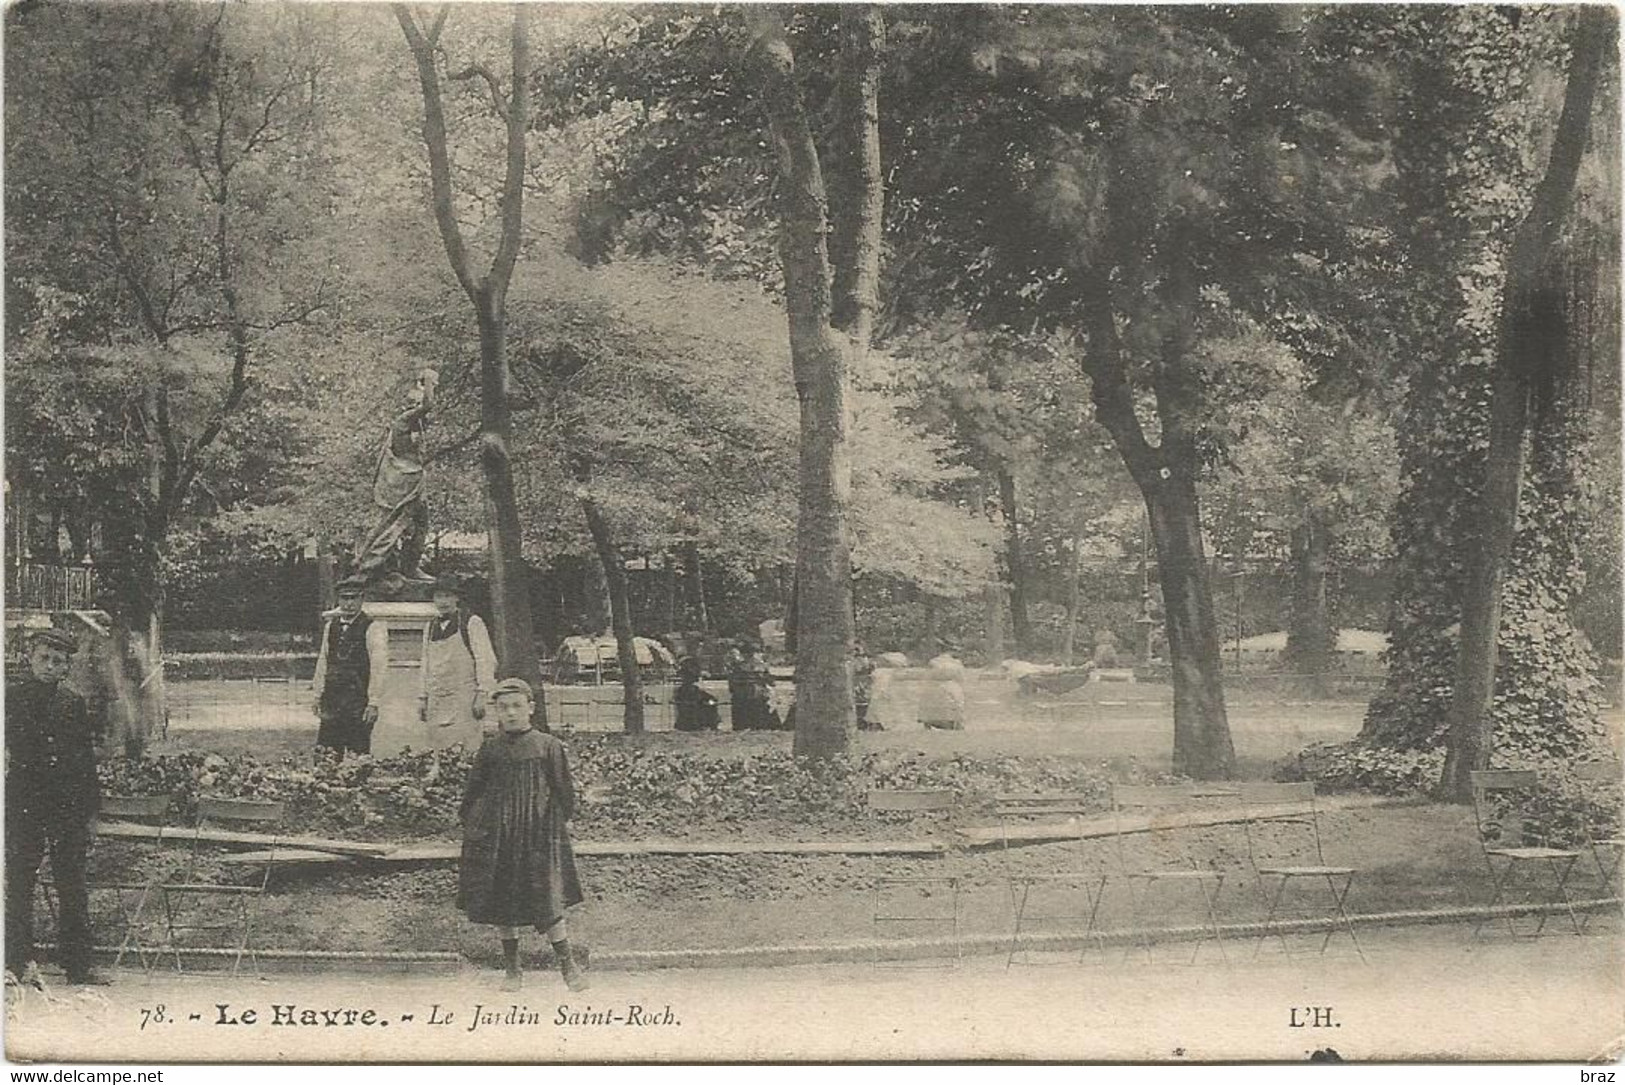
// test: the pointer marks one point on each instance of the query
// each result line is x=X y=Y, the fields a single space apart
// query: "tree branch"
x=491 y=83
x=194 y=156
x=855 y=240
x=143 y=299
x=1109 y=385
x=254 y=140
x=434 y=138
x=803 y=204
x=513 y=185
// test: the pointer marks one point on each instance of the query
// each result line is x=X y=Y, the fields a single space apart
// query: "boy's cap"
x=513 y=685
x=56 y=638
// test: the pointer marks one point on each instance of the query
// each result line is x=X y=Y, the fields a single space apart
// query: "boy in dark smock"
x=52 y=796
x=518 y=869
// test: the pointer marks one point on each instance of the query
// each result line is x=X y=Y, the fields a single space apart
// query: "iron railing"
x=50 y=587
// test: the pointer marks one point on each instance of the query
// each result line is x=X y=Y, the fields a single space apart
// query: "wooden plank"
x=448 y=852
x=1092 y=828
x=788 y=847
x=173 y=835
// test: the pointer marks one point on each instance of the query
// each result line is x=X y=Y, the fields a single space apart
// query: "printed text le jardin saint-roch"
x=291 y=1015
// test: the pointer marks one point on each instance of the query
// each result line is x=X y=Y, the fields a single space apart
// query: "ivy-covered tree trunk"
x=620 y=615
x=1531 y=352
x=1461 y=210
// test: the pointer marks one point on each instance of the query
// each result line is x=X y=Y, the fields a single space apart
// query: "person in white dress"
x=459 y=672
x=942 y=695
x=892 y=703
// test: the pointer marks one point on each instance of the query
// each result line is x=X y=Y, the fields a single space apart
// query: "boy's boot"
x=510 y=960
x=574 y=977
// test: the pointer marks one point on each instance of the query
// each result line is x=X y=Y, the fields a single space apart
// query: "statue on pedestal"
x=393 y=548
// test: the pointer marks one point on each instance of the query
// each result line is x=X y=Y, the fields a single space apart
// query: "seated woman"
x=696 y=708
x=750 y=689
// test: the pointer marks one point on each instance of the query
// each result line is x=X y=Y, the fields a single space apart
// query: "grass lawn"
x=1117 y=723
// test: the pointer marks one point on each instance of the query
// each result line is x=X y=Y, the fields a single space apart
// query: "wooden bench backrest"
x=1504 y=779
x=239 y=810
x=134 y=806
x=1043 y=804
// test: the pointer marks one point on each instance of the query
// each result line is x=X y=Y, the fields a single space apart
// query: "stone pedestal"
x=400 y=722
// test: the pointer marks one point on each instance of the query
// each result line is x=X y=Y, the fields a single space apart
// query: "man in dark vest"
x=350 y=670
x=51 y=801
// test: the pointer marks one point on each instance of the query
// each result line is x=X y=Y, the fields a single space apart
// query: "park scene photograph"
x=626 y=533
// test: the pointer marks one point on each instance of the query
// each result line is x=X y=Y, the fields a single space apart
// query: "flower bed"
x=624 y=789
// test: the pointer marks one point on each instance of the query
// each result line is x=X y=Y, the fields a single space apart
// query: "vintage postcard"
x=866 y=533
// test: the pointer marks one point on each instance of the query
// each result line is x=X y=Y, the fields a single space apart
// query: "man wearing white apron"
x=459 y=671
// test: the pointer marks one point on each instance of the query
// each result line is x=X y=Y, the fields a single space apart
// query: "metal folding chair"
x=1168 y=812
x=897 y=896
x=142 y=810
x=244 y=896
x=1028 y=812
x=130 y=897
x=1283 y=844
x=1509 y=841
x=1603 y=782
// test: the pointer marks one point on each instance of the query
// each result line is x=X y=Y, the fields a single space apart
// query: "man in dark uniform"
x=51 y=801
x=350 y=670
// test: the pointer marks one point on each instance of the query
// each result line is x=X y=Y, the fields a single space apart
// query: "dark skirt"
x=517 y=868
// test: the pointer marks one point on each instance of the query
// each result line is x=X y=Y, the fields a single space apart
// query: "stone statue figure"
x=395 y=542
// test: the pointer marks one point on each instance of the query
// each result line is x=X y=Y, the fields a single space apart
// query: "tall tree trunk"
x=1310 y=637
x=831 y=315
x=1202 y=743
x=1165 y=476
x=696 y=578
x=595 y=606
x=1530 y=347
x=826 y=715
x=669 y=567
x=1015 y=565
x=510 y=587
x=132 y=574
x=326 y=580
x=510 y=580
x=1074 y=600
x=993 y=609
x=620 y=611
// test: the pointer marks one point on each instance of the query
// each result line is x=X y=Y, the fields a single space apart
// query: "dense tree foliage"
x=952 y=300
x=161 y=168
